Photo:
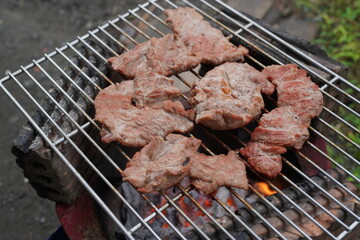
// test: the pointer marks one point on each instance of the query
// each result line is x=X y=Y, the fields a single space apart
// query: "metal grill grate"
x=139 y=25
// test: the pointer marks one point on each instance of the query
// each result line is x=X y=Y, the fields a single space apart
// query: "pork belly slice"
x=205 y=41
x=135 y=126
x=264 y=158
x=161 y=164
x=295 y=88
x=208 y=173
x=283 y=126
x=229 y=96
x=166 y=56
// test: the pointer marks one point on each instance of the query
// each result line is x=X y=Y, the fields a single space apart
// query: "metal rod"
x=81 y=128
x=162 y=208
x=277 y=49
x=88 y=62
x=335 y=146
x=198 y=76
x=256 y=60
x=165 y=218
x=333 y=161
x=67 y=76
x=274 y=187
x=321 y=189
x=342 y=120
x=76 y=147
x=142 y=32
x=206 y=213
x=315 y=184
x=57 y=151
x=274 y=36
x=184 y=215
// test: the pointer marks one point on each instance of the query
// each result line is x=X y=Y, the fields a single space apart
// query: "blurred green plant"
x=339 y=30
x=339 y=36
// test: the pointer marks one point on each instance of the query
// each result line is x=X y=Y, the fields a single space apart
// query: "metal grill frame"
x=250 y=28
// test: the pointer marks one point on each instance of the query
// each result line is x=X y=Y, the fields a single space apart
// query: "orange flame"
x=264 y=188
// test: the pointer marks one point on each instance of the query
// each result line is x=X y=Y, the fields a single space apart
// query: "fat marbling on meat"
x=229 y=96
x=136 y=125
x=162 y=163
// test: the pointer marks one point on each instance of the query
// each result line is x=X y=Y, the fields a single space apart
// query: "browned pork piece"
x=264 y=158
x=283 y=126
x=229 y=96
x=162 y=163
x=166 y=56
x=295 y=88
x=152 y=88
x=135 y=126
x=299 y=100
x=179 y=52
x=205 y=42
x=208 y=173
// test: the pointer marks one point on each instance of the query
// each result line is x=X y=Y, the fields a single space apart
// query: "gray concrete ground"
x=27 y=29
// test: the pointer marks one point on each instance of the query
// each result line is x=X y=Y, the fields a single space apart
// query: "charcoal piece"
x=265 y=210
x=46 y=171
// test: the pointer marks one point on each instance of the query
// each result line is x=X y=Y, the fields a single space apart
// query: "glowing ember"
x=264 y=188
x=187 y=206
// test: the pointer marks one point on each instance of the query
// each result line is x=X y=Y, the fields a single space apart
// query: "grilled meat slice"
x=299 y=100
x=229 y=96
x=179 y=52
x=208 y=173
x=135 y=126
x=264 y=158
x=205 y=42
x=152 y=88
x=166 y=56
x=283 y=126
x=162 y=163
x=295 y=88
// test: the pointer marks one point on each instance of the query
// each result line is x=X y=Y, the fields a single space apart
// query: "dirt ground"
x=27 y=29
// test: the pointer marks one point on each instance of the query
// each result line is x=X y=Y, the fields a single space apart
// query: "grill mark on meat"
x=135 y=126
x=208 y=173
x=299 y=100
x=229 y=96
x=162 y=163
x=179 y=52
